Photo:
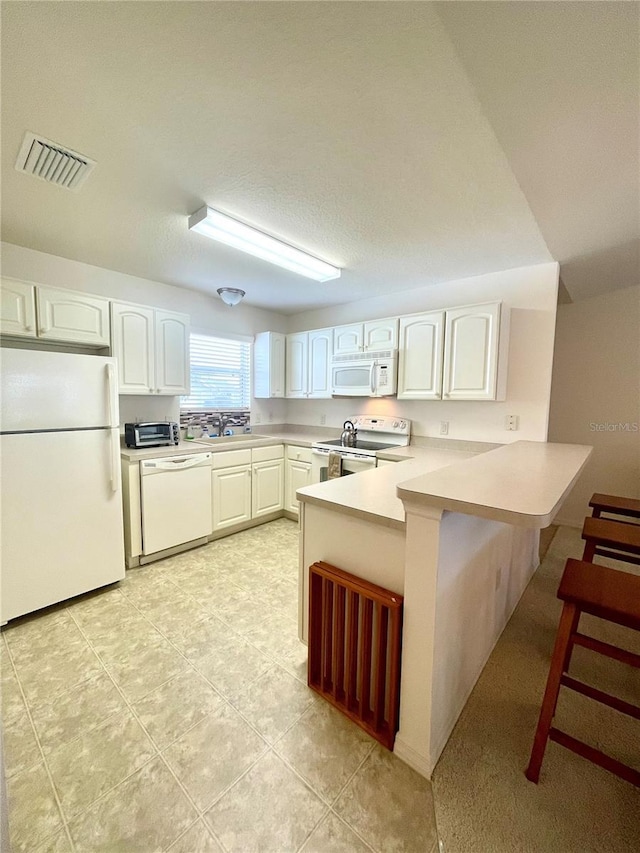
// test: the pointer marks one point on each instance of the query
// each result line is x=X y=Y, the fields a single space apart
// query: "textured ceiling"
x=560 y=85
x=349 y=129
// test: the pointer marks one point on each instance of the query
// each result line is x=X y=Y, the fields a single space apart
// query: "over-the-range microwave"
x=365 y=374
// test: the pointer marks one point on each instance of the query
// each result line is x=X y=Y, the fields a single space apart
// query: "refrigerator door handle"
x=114 y=460
x=111 y=390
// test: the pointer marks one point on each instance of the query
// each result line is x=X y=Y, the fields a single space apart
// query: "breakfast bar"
x=456 y=533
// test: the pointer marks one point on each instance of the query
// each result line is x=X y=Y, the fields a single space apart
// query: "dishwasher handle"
x=172 y=463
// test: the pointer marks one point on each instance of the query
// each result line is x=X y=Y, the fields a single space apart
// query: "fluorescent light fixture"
x=227 y=230
x=231 y=295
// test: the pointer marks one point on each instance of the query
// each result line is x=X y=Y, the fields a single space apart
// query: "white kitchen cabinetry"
x=18 y=308
x=268 y=365
x=476 y=352
x=308 y=364
x=66 y=315
x=231 y=488
x=363 y=337
x=297 y=475
x=421 y=356
x=267 y=481
x=172 y=352
x=152 y=349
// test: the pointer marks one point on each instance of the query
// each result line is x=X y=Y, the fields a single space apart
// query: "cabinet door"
x=381 y=334
x=420 y=361
x=319 y=372
x=18 y=311
x=132 y=344
x=298 y=475
x=268 y=487
x=231 y=496
x=276 y=365
x=471 y=353
x=172 y=352
x=65 y=315
x=347 y=339
x=296 y=365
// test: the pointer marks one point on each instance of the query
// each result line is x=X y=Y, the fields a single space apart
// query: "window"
x=220 y=374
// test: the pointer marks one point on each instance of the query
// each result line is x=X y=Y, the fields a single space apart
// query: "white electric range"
x=374 y=433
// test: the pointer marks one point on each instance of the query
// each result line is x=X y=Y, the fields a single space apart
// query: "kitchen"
x=72 y=257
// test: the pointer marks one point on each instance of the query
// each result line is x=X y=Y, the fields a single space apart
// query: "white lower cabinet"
x=246 y=484
x=231 y=496
x=297 y=475
x=267 y=488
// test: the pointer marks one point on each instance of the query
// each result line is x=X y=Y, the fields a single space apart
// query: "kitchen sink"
x=231 y=439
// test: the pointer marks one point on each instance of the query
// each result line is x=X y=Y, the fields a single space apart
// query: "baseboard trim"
x=414 y=759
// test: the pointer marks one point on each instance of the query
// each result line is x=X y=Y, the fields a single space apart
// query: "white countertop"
x=219 y=445
x=372 y=494
x=523 y=483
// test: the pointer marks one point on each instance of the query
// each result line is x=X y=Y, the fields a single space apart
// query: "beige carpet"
x=484 y=803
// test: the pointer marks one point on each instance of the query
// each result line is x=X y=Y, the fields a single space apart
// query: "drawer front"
x=264 y=454
x=300 y=454
x=230 y=458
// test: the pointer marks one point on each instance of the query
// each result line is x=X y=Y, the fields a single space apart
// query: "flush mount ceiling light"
x=227 y=230
x=230 y=295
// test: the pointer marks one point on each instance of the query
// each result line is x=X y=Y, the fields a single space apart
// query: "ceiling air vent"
x=52 y=162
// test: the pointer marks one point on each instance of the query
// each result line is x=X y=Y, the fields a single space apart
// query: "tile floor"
x=171 y=712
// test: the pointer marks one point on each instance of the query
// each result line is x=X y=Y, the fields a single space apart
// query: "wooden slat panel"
x=327 y=634
x=364 y=664
x=338 y=643
x=380 y=669
x=352 y=648
x=348 y=648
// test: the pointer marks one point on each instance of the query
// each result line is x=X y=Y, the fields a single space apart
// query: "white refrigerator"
x=60 y=491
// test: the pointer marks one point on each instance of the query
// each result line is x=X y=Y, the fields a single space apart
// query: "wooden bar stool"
x=609 y=594
x=614 y=505
x=602 y=535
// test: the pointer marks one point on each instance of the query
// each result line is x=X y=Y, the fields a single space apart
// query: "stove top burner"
x=359 y=445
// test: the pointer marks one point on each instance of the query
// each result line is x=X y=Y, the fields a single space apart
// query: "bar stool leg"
x=589 y=552
x=561 y=653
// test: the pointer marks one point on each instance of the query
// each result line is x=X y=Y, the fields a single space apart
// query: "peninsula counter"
x=455 y=532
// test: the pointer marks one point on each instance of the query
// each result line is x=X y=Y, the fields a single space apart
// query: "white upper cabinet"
x=66 y=315
x=421 y=356
x=309 y=364
x=268 y=365
x=133 y=347
x=363 y=337
x=151 y=348
x=172 y=353
x=297 y=360
x=381 y=334
x=18 y=308
x=476 y=346
x=348 y=339
x=319 y=361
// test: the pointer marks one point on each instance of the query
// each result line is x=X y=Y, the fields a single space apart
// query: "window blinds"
x=220 y=374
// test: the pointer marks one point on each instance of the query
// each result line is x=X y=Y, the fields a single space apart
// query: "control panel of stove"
x=372 y=423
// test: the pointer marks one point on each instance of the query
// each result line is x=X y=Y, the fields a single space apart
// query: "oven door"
x=352 y=463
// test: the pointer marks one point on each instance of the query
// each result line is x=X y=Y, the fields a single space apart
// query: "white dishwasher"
x=176 y=500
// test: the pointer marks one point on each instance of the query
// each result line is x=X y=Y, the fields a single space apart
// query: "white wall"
x=595 y=389
x=208 y=314
x=531 y=293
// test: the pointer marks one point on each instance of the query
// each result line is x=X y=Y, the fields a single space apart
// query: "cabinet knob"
x=29 y=327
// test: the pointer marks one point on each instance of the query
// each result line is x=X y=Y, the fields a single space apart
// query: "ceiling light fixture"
x=230 y=295
x=227 y=230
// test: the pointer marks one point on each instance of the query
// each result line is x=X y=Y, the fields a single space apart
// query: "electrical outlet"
x=444 y=427
x=511 y=422
x=323 y=420
x=257 y=419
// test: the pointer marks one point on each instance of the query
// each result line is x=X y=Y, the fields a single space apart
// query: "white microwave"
x=365 y=374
